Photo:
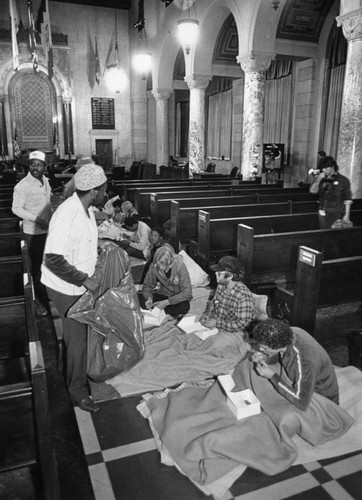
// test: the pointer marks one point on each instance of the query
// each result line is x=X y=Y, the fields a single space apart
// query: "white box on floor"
x=242 y=403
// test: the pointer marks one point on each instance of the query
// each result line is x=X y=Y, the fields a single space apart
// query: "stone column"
x=349 y=156
x=67 y=97
x=197 y=85
x=139 y=126
x=254 y=67
x=161 y=96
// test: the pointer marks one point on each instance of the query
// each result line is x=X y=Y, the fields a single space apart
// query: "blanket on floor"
x=173 y=357
x=197 y=432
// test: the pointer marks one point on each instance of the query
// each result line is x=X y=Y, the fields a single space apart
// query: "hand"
x=258 y=356
x=149 y=303
x=209 y=322
x=42 y=223
x=162 y=304
x=91 y=283
x=264 y=370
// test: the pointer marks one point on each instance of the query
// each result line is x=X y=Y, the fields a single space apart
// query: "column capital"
x=255 y=61
x=351 y=24
x=67 y=95
x=197 y=81
x=161 y=94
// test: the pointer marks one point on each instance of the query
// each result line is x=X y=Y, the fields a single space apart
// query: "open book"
x=153 y=317
x=189 y=325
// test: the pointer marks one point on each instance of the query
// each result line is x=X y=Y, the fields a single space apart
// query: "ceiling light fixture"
x=142 y=60
x=116 y=77
x=188 y=27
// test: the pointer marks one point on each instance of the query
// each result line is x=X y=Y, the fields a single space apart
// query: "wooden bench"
x=160 y=203
x=319 y=283
x=10 y=244
x=129 y=191
x=9 y=224
x=6 y=212
x=26 y=437
x=143 y=196
x=184 y=220
x=5 y=201
x=217 y=237
x=272 y=258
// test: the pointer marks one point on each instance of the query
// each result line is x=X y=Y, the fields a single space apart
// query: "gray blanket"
x=206 y=441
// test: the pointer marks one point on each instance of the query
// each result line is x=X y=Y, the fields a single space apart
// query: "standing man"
x=31 y=202
x=334 y=189
x=70 y=258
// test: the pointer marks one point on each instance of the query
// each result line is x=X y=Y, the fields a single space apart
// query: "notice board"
x=102 y=113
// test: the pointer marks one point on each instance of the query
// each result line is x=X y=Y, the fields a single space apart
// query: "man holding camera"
x=334 y=189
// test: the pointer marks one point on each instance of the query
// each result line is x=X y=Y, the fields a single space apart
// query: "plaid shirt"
x=233 y=308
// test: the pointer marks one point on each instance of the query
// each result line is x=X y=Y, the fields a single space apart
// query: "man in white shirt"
x=70 y=258
x=31 y=202
x=138 y=244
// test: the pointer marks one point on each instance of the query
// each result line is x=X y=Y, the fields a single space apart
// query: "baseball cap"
x=37 y=155
x=228 y=263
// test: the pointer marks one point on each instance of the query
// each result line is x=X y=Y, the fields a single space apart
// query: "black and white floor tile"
x=124 y=464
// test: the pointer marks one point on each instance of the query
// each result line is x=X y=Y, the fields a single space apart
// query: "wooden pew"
x=272 y=258
x=6 y=212
x=319 y=283
x=184 y=220
x=160 y=203
x=142 y=196
x=217 y=237
x=10 y=244
x=9 y=224
x=5 y=201
x=26 y=437
x=128 y=191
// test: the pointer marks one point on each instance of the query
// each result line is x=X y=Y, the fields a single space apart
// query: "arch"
x=33 y=103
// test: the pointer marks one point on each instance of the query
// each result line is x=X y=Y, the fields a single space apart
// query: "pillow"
x=260 y=305
x=197 y=275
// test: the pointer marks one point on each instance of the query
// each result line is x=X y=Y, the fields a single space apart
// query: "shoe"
x=88 y=405
x=40 y=310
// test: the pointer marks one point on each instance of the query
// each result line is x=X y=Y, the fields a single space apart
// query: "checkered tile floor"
x=124 y=464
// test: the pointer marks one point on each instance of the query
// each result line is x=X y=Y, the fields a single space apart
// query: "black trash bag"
x=115 y=337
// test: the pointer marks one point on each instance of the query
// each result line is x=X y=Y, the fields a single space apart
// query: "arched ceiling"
x=301 y=20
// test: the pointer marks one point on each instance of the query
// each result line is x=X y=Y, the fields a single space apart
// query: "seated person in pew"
x=294 y=362
x=157 y=240
x=167 y=284
x=233 y=307
x=137 y=241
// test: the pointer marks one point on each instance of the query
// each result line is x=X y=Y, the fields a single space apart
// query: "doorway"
x=104 y=152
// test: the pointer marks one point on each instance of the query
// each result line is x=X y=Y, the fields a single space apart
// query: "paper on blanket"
x=242 y=403
x=189 y=325
x=153 y=317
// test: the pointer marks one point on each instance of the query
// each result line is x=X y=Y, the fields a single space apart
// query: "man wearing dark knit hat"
x=70 y=258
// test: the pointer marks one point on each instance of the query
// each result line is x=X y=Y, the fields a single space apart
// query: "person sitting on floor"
x=232 y=307
x=123 y=210
x=167 y=284
x=157 y=240
x=294 y=362
x=137 y=241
